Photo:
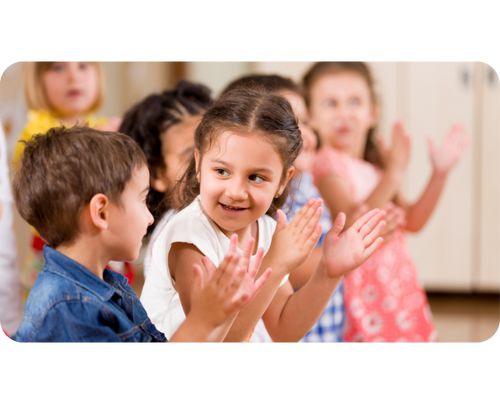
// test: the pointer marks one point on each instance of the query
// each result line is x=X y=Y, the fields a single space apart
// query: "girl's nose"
x=150 y=218
x=236 y=190
x=72 y=70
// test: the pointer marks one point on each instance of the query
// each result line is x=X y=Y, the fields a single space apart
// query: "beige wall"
x=459 y=249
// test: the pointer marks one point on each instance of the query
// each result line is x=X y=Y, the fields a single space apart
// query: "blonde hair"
x=34 y=91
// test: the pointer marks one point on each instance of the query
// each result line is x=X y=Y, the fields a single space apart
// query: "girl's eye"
x=330 y=103
x=256 y=178
x=84 y=65
x=221 y=171
x=56 y=67
x=354 y=102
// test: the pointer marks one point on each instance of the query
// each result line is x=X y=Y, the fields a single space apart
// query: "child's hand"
x=219 y=293
x=292 y=244
x=452 y=148
x=395 y=218
x=343 y=252
x=111 y=126
x=399 y=154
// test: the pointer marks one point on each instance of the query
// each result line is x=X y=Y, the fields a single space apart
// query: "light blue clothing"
x=329 y=327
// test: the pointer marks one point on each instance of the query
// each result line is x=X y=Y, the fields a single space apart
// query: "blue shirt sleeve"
x=73 y=321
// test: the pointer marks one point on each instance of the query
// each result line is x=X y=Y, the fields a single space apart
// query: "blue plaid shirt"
x=329 y=326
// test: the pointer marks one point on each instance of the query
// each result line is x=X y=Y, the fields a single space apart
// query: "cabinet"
x=459 y=248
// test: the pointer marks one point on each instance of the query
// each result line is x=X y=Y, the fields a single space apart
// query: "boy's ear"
x=98 y=209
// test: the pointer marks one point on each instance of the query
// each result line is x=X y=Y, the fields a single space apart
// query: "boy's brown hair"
x=63 y=169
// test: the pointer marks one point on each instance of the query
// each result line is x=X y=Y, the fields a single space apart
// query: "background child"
x=89 y=204
x=384 y=300
x=10 y=297
x=237 y=180
x=163 y=125
x=60 y=93
x=329 y=327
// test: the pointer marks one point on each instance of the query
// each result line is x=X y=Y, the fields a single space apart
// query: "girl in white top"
x=235 y=183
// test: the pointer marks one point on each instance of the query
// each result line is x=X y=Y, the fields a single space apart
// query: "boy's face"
x=128 y=223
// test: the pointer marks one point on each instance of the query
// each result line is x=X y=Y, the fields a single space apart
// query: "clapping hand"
x=443 y=158
x=222 y=292
x=345 y=251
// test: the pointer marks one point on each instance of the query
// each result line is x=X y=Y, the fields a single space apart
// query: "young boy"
x=84 y=191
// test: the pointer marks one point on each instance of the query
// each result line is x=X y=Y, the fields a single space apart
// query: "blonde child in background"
x=10 y=286
x=236 y=181
x=163 y=126
x=60 y=93
x=384 y=300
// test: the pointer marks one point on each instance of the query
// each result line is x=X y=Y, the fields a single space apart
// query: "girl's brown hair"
x=320 y=69
x=246 y=112
x=34 y=92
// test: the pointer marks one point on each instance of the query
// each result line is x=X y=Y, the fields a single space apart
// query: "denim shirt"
x=68 y=303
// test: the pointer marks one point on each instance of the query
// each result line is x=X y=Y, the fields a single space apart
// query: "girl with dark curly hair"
x=163 y=125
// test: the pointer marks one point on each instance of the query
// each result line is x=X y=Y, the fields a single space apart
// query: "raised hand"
x=345 y=251
x=452 y=148
x=292 y=244
x=399 y=154
x=219 y=293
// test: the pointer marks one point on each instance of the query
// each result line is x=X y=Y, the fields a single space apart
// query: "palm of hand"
x=446 y=156
x=343 y=252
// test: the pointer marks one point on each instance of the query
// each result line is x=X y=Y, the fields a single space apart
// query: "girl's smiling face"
x=239 y=177
x=342 y=111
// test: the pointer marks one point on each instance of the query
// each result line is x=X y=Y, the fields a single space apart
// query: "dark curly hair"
x=247 y=112
x=146 y=121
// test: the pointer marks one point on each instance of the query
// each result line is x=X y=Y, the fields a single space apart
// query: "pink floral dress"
x=384 y=300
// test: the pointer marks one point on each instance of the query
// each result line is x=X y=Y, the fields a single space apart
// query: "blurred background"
x=458 y=252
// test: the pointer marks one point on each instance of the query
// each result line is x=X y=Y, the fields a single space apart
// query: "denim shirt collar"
x=66 y=267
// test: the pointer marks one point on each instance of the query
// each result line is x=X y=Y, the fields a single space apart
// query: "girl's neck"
x=252 y=230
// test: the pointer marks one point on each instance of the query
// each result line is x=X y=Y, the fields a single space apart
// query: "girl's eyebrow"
x=260 y=169
x=145 y=190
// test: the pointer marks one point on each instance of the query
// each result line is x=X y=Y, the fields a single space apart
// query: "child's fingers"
x=281 y=222
x=233 y=244
x=338 y=224
x=311 y=214
x=371 y=224
x=199 y=278
x=310 y=226
x=224 y=275
x=370 y=250
x=363 y=219
x=247 y=253
x=302 y=212
x=254 y=268
x=262 y=280
x=209 y=266
x=373 y=235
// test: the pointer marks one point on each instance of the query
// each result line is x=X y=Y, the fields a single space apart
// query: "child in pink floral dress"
x=384 y=300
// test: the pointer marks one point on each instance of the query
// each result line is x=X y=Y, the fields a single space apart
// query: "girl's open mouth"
x=234 y=209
